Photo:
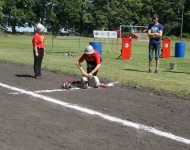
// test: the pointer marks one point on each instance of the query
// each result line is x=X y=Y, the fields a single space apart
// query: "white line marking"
x=61 y=90
x=101 y=115
x=14 y=93
x=55 y=90
x=49 y=91
x=112 y=84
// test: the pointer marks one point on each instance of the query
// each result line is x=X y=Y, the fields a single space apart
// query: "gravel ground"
x=29 y=122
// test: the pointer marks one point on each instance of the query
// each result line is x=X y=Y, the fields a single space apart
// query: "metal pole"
x=52 y=44
x=79 y=43
x=120 y=32
x=182 y=20
x=117 y=45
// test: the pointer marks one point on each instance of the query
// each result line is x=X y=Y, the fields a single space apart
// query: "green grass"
x=132 y=72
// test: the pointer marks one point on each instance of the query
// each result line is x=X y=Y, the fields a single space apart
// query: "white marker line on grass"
x=104 y=116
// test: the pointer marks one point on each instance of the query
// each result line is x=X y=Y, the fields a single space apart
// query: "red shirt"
x=95 y=57
x=38 y=40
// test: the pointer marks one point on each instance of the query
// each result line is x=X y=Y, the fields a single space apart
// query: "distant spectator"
x=38 y=50
x=155 y=31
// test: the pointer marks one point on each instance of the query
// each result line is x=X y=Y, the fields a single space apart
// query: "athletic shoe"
x=40 y=76
x=149 y=71
x=37 y=77
x=94 y=82
x=156 y=71
x=84 y=82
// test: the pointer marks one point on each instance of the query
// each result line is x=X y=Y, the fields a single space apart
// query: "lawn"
x=18 y=48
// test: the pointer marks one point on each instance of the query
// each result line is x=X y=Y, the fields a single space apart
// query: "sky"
x=24 y=29
x=28 y=29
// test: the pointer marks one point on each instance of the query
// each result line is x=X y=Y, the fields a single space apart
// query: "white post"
x=120 y=31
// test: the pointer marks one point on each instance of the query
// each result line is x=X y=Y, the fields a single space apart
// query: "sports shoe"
x=156 y=71
x=84 y=82
x=37 y=77
x=93 y=82
x=40 y=76
x=149 y=71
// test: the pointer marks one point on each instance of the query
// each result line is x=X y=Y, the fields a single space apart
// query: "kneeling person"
x=93 y=61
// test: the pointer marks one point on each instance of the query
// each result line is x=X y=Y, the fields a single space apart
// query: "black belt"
x=40 y=48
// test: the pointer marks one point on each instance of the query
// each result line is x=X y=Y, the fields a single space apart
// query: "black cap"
x=155 y=15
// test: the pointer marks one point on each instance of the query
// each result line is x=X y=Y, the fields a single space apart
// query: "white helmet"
x=89 y=50
x=40 y=27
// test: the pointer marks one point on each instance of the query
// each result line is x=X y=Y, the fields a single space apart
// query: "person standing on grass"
x=93 y=60
x=155 y=31
x=38 y=50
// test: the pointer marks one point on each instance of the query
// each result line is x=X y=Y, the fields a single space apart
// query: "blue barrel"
x=180 y=49
x=97 y=46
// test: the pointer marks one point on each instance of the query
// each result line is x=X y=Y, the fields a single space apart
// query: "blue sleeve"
x=149 y=27
x=161 y=27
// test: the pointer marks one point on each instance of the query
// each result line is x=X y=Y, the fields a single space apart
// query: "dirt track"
x=30 y=123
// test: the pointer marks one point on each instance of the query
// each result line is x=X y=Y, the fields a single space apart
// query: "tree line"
x=84 y=16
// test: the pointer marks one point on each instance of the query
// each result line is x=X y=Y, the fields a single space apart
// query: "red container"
x=126 y=48
x=166 y=48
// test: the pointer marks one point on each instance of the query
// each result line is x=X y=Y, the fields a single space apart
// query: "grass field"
x=18 y=48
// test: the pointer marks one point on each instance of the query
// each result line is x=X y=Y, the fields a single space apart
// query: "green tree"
x=186 y=24
x=145 y=13
x=51 y=19
x=168 y=11
x=1 y=11
x=18 y=13
x=1 y=14
x=107 y=14
x=63 y=14
x=170 y=16
x=83 y=16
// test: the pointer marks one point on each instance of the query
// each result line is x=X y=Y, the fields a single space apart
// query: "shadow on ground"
x=135 y=70
x=176 y=71
x=24 y=75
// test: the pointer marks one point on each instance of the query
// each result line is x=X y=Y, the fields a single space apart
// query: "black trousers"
x=38 y=61
x=91 y=65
